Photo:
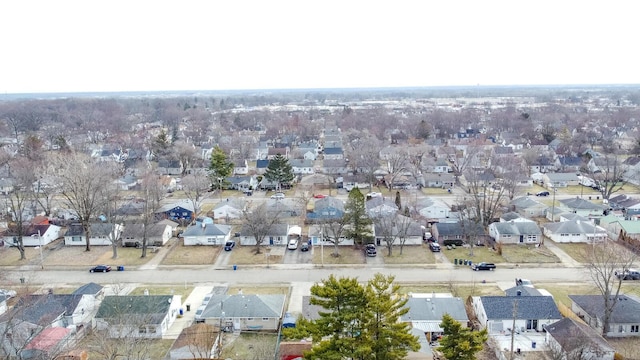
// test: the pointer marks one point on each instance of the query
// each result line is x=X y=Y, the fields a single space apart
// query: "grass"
x=164 y=290
x=259 y=290
x=347 y=255
x=629 y=347
x=577 y=251
x=411 y=254
x=158 y=348
x=11 y=256
x=251 y=346
x=245 y=255
x=480 y=253
x=97 y=255
x=520 y=254
x=561 y=291
x=461 y=291
x=191 y=255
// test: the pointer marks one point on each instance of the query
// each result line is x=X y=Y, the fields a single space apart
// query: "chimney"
x=519 y=293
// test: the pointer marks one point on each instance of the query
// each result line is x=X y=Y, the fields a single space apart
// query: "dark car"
x=229 y=245
x=434 y=247
x=483 y=266
x=370 y=250
x=630 y=274
x=304 y=247
x=100 y=268
x=543 y=193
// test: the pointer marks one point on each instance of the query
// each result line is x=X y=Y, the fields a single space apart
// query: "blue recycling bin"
x=181 y=311
x=533 y=344
x=235 y=267
x=120 y=268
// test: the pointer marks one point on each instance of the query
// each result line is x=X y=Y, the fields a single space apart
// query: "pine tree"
x=279 y=171
x=356 y=217
x=460 y=343
x=358 y=321
x=220 y=167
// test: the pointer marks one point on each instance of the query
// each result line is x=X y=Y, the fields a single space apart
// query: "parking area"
x=297 y=257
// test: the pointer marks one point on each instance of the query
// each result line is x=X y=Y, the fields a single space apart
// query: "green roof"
x=154 y=307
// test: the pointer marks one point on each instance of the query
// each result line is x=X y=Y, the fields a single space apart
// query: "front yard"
x=76 y=255
x=517 y=254
x=245 y=255
x=191 y=255
x=411 y=254
x=347 y=255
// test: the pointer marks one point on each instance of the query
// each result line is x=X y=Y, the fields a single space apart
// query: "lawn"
x=11 y=257
x=411 y=254
x=249 y=346
x=245 y=255
x=561 y=291
x=191 y=255
x=461 y=291
x=98 y=255
x=519 y=254
x=577 y=251
x=178 y=289
x=629 y=347
x=480 y=253
x=347 y=255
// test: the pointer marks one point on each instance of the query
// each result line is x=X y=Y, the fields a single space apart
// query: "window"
x=506 y=236
x=211 y=240
x=564 y=234
x=265 y=319
x=532 y=238
x=620 y=328
x=152 y=330
x=76 y=238
x=249 y=319
x=142 y=330
x=634 y=328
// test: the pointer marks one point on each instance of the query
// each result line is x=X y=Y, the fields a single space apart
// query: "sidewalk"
x=160 y=255
x=566 y=260
x=194 y=300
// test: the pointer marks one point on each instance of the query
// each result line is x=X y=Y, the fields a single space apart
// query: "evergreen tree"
x=460 y=343
x=356 y=217
x=358 y=322
x=220 y=167
x=398 y=200
x=279 y=171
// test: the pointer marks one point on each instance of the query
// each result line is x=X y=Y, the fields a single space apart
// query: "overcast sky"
x=135 y=45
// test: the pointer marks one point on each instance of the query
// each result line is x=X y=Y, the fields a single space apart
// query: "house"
x=101 y=234
x=582 y=207
x=530 y=313
x=126 y=182
x=560 y=180
x=240 y=167
x=169 y=183
x=277 y=235
x=90 y=289
x=198 y=341
x=528 y=207
x=245 y=312
x=170 y=167
x=456 y=233
x=335 y=167
x=48 y=344
x=174 y=225
x=301 y=167
x=242 y=183
x=157 y=234
x=206 y=234
x=570 y=163
x=433 y=209
x=231 y=209
x=623 y=322
x=426 y=312
x=404 y=229
x=141 y=316
x=177 y=211
x=32 y=235
x=442 y=180
x=379 y=206
x=574 y=231
x=261 y=166
x=438 y=166
x=543 y=164
x=273 y=152
x=574 y=340
x=516 y=232
x=333 y=153
x=326 y=209
x=6 y=186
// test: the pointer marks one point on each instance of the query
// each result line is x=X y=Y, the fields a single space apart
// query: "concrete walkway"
x=566 y=260
x=160 y=255
x=194 y=300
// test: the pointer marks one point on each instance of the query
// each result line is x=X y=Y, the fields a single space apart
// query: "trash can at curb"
x=120 y=268
x=22 y=280
x=188 y=307
x=181 y=312
x=455 y=261
x=235 y=267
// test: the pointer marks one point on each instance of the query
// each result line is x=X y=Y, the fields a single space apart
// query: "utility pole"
x=513 y=327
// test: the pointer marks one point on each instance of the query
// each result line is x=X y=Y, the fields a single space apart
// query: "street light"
x=321 y=248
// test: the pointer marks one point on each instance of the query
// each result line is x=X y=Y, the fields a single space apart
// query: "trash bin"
x=533 y=344
x=22 y=280
x=181 y=312
x=455 y=261
x=466 y=261
x=120 y=268
x=188 y=307
x=235 y=267
x=470 y=262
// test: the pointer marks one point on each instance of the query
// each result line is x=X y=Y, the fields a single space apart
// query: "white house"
x=229 y=209
x=516 y=232
x=574 y=340
x=530 y=313
x=101 y=234
x=433 y=209
x=33 y=235
x=157 y=234
x=206 y=234
x=301 y=167
x=574 y=231
x=278 y=235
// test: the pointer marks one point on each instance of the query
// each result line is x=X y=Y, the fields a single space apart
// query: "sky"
x=140 y=45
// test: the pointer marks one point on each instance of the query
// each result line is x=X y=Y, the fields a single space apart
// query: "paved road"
x=298 y=273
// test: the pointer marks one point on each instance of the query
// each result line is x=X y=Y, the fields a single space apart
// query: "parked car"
x=483 y=266
x=542 y=193
x=370 y=250
x=319 y=196
x=278 y=196
x=293 y=244
x=449 y=242
x=631 y=274
x=304 y=247
x=100 y=268
x=198 y=316
x=524 y=282
x=434 y=247
x=229 y=245
x=374 y=194
x=8 y=293
x=206 y=299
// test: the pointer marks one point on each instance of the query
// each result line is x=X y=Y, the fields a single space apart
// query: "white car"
x=198 y=316
x=293 y=244
x=374 y=194
x=7 y=293
x=206 y=299
x=277 y=196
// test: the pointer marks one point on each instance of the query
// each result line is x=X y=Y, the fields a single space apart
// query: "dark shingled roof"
x=88 y=289
x=152 y=307
x=626 y=311
x=571 y=335
x=529 y=307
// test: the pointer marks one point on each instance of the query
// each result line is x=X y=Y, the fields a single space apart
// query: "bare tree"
x=609 y=174
x=19 y=201
x=333 y=231
x=110 y=202
x=81 y=182
x=604 y=261
x=403 y=225
x=364 y=157
x=397 y=163
x=195 y=187
x=151 y=191
x=260 y=221
x=485 y=196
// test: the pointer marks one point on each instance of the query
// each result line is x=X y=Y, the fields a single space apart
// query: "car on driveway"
x=304 y=247
x=542 y=193
x=206 y=299
x=370 y=250
x=278 y=196
x=293 y=244
x=374 y=194
x=198 y=317
x=483 y=266
x=434 y=247
x=229 y=245
x=100 y=268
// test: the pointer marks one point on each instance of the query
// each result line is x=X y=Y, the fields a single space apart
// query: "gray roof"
x=525 y=202
x=137 y=230
x=528 y=307
x=510 y=216
x=524 y=291
x=433 y=308
x=570 y=176
x=185 y=204
x=243 y=306
x=626 y=311
x=44 y=309
x=573 y=227
x=567 y=330
x=151 y=308
x=581 y=204
x=328 y=202
x=276 y=229
x=301 y=163
x=207 y=230
x=88 y=289
x=97 y=229
x=517 y=228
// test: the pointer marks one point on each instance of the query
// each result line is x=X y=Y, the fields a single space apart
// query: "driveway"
x=297 y=257
x=374 y=261
x=223 y=258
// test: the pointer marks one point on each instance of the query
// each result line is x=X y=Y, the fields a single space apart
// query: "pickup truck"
x=483 y=266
